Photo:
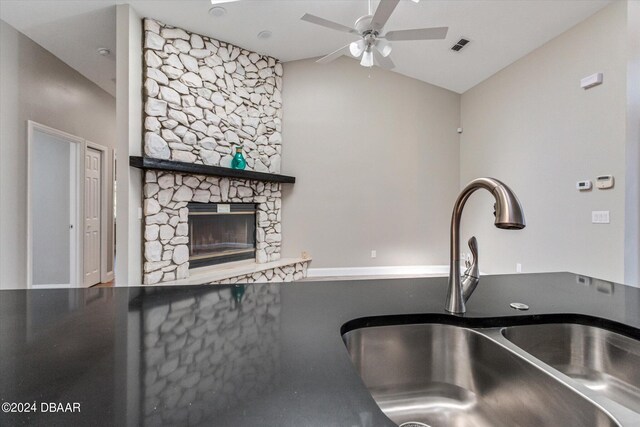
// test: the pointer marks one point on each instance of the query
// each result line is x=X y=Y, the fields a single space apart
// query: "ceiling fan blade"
x=327 y=24
x=436 y=33
x=383 y=12
x=382 y=61
x=334 y=55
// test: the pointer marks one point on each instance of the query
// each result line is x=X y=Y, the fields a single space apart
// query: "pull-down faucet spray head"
x=509 y=215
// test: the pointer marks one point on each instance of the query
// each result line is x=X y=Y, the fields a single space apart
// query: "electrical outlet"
x=518 y=268
x=374 y=253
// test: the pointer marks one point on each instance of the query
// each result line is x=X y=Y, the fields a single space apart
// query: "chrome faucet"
x=509 y=216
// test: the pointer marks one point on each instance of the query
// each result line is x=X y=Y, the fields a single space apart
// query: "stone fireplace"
x=203 y=98
x=168 y=197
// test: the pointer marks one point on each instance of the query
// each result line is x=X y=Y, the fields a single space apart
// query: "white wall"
x=129 y=137
x=35 y=85
x=375 y=155
x=532 y=126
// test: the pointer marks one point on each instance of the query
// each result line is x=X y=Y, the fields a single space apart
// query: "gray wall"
x=375 y=155
x=532 y=126
x=129 y=142
x=37 y=86
x=632 y=212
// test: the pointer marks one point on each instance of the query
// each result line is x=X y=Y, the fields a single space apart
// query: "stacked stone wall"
x=203 y=97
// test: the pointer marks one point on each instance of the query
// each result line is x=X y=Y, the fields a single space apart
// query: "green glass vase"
x=238 y=161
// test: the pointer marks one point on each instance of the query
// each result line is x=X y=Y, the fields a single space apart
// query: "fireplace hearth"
x=221 y=233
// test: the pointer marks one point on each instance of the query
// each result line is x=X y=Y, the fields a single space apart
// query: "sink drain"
x=519 y=306
x=414 y=424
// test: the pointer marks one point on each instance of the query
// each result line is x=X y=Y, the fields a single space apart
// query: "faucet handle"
x=473 y=247
x=472 y=267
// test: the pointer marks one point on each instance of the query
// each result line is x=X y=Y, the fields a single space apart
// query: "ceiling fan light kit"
x=384 y=47
x=356 y=48
x=367 y=58
x=374 y=47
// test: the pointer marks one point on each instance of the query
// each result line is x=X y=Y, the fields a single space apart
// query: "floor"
x=110 y=284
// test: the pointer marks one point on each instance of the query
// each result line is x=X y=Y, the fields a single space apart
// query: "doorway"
x=54 y=159
x=67 y=210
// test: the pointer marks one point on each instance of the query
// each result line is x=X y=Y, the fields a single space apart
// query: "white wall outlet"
x=374 y=253
x=600 y=217
x=518 y=268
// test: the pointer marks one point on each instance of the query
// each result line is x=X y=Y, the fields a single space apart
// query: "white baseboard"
x=49 y=286
x=418 y=270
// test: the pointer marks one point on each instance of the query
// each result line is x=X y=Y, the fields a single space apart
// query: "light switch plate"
x=600 y=217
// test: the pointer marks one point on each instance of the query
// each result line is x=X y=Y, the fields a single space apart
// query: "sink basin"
x=442 y=375
x=603 y=361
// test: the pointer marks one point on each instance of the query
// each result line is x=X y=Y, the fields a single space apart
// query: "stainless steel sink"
x=603 y=361
x=441 y=375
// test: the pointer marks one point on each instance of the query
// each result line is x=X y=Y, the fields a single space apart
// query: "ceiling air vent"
x=459 y=45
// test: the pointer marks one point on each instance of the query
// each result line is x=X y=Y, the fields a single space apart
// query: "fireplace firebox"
x=220 y=233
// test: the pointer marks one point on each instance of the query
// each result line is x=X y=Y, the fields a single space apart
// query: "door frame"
x=77 y=268
x=104 y=211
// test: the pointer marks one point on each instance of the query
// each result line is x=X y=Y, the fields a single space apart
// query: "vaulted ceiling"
x=501 y=31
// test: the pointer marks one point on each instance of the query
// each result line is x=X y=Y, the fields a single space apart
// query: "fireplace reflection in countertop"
x=208 y=352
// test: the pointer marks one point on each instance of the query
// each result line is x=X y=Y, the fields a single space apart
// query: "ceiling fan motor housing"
x=363 y=24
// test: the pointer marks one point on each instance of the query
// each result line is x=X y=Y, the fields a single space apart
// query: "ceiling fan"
x=374 y=47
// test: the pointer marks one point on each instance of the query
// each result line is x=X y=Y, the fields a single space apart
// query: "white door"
x=53 y=213
x=92 y=216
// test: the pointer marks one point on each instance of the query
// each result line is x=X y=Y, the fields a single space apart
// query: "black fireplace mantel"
x=149 y=163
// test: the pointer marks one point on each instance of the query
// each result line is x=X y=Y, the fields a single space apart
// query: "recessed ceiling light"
x=264 y=34
x=103 y=51
x=217 y=11
x=222 y=1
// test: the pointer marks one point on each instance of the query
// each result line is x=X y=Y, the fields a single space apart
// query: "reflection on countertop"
x=207 y=352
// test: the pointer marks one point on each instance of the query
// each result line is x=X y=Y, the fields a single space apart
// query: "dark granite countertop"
x=255 y=355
